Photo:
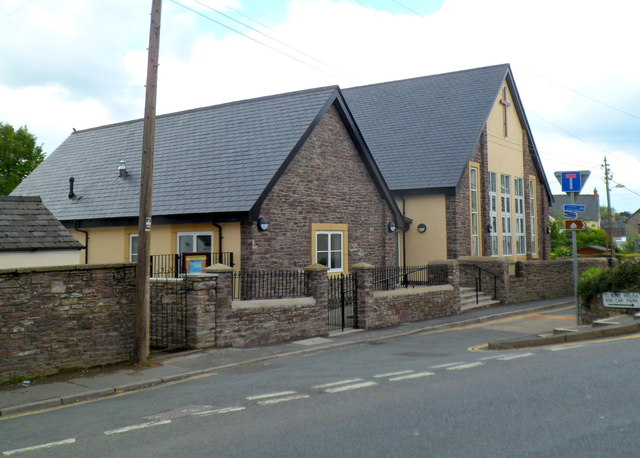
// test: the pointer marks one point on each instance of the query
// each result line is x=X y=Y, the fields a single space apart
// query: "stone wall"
x=538 y=279
x=326 y=182
x=56 y=318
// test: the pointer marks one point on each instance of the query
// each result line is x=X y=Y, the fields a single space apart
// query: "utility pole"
x=607 y=177
x=146 y=188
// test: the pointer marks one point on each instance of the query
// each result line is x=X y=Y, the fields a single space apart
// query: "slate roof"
x=591 y=202
x=214 y=159
x=423 y=131
x=27 y=225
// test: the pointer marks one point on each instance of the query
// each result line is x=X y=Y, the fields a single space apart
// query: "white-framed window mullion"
x=505 y=200
x=493 y=212
x=521 y=238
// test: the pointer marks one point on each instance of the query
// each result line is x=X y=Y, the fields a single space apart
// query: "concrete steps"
x=468 y=299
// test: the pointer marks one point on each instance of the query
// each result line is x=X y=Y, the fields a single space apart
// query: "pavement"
x=163 y=368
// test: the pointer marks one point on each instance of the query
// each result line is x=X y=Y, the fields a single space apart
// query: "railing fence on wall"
x=388 y=278
x=269 y=284
x=170 y=265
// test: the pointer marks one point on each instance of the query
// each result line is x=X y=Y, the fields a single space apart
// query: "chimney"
x=595 y=192
x=71 y=193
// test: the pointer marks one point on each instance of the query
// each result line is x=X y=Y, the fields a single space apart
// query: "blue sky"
x=81 y=63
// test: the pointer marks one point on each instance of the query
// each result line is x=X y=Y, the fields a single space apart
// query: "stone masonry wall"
x=57 y=318
x=326 y=182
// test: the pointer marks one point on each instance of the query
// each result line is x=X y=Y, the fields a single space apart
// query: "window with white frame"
x=505 y=200
x=195 y=242
x=493 y=212
x=133 y=248
x=475 y=221
x=532 y=217
x=329 y=250
x=521 y=239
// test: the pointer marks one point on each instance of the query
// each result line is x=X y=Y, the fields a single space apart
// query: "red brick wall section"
x=66 y=317
x=326 y=182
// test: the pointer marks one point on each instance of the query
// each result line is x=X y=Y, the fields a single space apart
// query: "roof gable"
x=27 y=225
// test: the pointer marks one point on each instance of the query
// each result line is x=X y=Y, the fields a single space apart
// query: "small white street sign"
x=621 y=300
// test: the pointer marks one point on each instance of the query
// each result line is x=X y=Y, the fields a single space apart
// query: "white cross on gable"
x=506 y=104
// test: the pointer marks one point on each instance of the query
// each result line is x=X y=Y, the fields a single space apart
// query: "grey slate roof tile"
x=26 y=224
x=213 y=159
x=422 y=131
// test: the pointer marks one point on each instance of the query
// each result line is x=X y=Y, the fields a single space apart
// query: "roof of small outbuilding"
x=27 y=225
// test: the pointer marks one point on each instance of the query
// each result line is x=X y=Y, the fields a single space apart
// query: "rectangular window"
x=505 y=200
x=195 y=242
x=475 y=218
x=133 y=248
x=493 y=212
x=329 y=250
x=521 y=239
x=532 y=216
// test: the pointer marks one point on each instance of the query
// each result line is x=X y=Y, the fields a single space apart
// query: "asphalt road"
x=434 y=394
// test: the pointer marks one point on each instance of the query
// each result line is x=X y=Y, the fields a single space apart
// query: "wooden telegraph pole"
x=146 y=188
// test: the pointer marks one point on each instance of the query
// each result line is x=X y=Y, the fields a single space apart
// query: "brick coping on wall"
x=70 y=268
x=413 y=291
x=273 y=303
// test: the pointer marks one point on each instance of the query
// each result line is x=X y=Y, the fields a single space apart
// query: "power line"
x=582 y=95
x=407 y=8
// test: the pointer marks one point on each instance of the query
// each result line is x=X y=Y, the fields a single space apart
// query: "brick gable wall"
x=326 y=182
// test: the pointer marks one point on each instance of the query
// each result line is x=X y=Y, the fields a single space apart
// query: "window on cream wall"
x=521 y=239
x=532 y=217
x=133 y=248
x=475 y=217
x=505 y=200
x=493 y=212
x=190 y=242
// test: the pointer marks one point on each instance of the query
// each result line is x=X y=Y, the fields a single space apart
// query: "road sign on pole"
x=575 y=225
x=574 y=208
x=570 y=215
x=572 y=181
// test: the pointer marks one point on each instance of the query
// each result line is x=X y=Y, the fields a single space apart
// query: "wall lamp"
x=263 y=224
x=391 y=226
x=422 y=228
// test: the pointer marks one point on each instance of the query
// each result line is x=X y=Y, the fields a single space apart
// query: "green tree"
x=19 y=155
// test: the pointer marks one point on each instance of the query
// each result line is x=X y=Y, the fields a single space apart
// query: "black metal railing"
x=388 y=278
x=269 y=284
x=483 y=279
x=170 y=265
x=343 y=302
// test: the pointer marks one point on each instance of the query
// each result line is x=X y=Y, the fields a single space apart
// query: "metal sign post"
x=572 y=183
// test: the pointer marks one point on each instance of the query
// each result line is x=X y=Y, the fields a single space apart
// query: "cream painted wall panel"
x=432 y=244
x=39 y=258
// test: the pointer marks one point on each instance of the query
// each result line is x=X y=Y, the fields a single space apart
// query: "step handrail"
x=478 y=277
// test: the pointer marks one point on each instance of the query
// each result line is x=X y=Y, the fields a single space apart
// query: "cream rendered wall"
x=506 y=156
x=18 y=259
x=112 y=244
x=432 y=244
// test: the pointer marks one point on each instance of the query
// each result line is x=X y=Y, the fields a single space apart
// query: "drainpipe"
x=86 y=241
x=404 y=240
x=219 y=239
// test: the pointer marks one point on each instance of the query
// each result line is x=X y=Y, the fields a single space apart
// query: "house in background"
x=632 y=226
x=590 y=201
x=276 y=182
x=458 y=155
x=30 y=236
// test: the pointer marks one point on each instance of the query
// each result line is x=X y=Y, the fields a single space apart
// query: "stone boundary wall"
x=533 y=280
x=56 y=318
x=389 y=308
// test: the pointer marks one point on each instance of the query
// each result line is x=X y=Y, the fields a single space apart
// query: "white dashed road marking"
x=135 y=427
x=355 y=386
x=496 y=356
x=39 y=447
x=341 y=382
x=569 y=347
x=269 y=395
x=465 y=366
x=411 y=376
x=509 y=358
x=218 y=411
x=393 y=374
x=267 y=402
x=444 y=366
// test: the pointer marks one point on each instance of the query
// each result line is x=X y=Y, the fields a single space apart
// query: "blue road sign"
x=570 y=215
x=571 y=182
x=574 y=208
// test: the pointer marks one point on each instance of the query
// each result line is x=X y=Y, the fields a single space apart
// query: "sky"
x=68 y=64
